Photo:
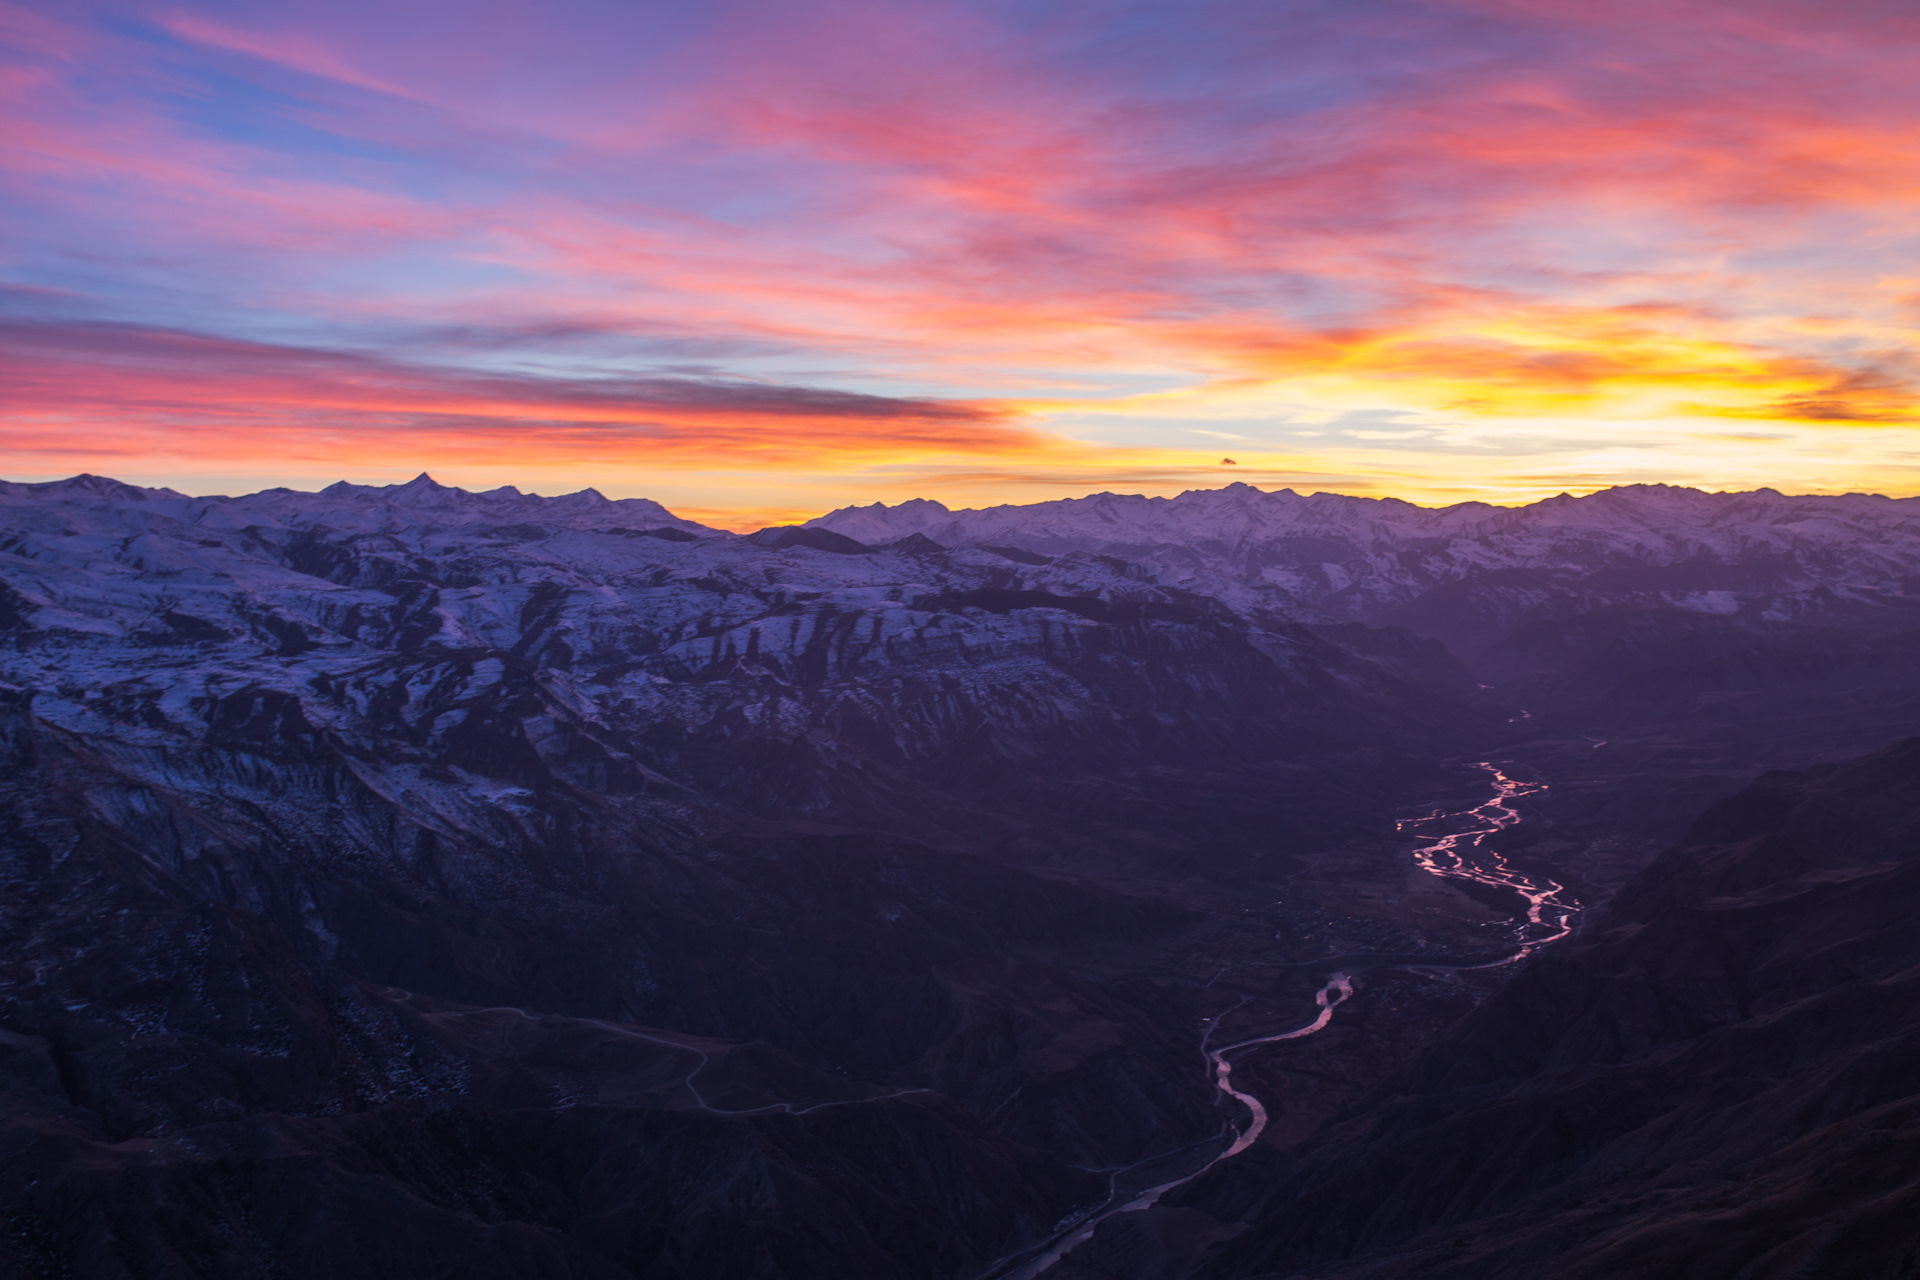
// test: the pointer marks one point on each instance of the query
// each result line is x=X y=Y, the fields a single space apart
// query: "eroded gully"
x=1456 y=849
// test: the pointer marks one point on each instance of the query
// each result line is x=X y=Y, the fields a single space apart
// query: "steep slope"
x=1720 y=1078
x=562 y=888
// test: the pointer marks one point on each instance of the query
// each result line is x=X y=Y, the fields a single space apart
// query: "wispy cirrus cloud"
x=294 y=51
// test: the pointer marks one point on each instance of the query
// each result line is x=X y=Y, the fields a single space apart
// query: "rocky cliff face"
x=549 y=886
x=1721 y=1077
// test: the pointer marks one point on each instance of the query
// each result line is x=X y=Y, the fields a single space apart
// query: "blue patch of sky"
x=748 y=188
x=1243 y=65
x=279 y=120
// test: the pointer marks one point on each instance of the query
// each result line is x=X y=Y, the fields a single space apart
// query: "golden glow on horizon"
x=802 y=264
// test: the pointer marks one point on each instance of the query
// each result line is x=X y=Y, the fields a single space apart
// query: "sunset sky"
x=762 y=259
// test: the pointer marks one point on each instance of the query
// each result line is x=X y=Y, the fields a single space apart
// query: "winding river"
x=1456 y=849
x=1464 y=855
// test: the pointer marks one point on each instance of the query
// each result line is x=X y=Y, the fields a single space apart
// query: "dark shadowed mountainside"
x=1720 y=1078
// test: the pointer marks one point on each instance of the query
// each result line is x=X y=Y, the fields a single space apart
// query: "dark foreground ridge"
x=1720 y=1078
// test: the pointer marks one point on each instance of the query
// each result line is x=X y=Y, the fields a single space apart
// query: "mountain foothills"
x=405 y=881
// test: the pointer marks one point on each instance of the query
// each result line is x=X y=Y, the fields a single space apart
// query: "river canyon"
x=560 y=887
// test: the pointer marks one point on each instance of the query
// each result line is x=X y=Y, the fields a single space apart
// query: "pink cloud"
x=122 y=389
x=294 y=51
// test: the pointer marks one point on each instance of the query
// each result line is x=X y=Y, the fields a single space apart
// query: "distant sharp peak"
x=422 y=486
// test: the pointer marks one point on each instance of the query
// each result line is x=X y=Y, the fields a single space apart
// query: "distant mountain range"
x=1334 y=558
x=1725 y=631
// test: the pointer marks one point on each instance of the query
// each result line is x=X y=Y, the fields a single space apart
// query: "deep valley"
x=408 y=882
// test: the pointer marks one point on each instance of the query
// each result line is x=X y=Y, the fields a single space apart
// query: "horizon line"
x=513 y=491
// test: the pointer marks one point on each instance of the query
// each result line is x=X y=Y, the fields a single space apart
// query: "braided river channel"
x=1454 y=845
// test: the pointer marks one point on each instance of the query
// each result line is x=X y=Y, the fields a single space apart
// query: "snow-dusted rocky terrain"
x=790 y=672
x=1334 y=558
x=566 y=888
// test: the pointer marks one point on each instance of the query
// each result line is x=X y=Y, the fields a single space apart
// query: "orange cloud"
x=135 y=390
